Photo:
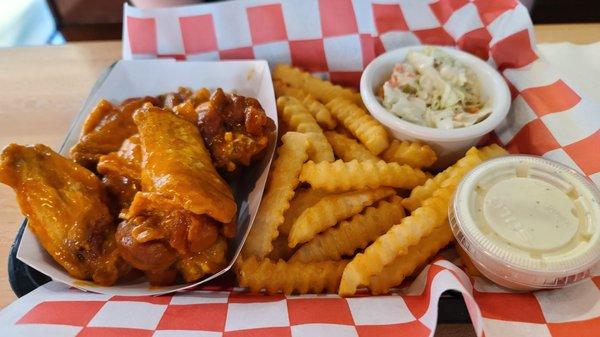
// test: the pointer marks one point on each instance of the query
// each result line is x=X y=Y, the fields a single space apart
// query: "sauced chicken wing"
x=196 y=265
x=183 y=199
x=235 y=129
x=177 y=167
x=105 y=129
x=65 y=205
x=121 y=171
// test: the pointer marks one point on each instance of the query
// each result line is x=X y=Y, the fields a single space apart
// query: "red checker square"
x=308 y=54
x=337 y=18
x=587 y=328
x=443 y=9
x=266 y=23
x=254 y=298
x=412 y=329
x=437 y=36
x=582 y=152
x=319 y=310
x=121 y=332
x=521 y=307
x=476 y=42
x=533 y=138
x=367 y=44
x=596 y=280
x=163 y=299
x=555 y=97
x=490 y=10
x=77 y=313
x=261 y=332
x=237 y=53
x=142 y=35
x=388 y=18
x=198 y=33
x=207 y=317
x=514 y=51
x=346 y=78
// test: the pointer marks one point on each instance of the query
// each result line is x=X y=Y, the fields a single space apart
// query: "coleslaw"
x=432 y=89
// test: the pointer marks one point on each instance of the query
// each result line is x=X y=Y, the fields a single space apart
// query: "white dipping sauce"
x=527 y=222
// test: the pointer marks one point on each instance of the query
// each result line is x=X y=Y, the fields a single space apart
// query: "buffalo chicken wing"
x=66 y=207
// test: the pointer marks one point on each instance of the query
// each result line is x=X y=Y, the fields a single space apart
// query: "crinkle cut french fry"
x=298 y=118
x=289 y=277
x=330 y=210
x=283 y=180
x=414 y=154
x=358 y=175
x=360 y=123
x=208 y=261
x=400 y=237
x=347 y=148
x=420 y=193
x=404 y=265
x=303 y=199
x=352 y=234
x=316 y=108
x=323 y=90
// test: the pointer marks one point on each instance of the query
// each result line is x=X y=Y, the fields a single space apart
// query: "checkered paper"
x=336 y=39
x=56 y=310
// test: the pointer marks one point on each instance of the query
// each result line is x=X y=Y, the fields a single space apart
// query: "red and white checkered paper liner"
x=337 y=39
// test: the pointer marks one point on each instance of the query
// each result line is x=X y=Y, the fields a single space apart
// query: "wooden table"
x=42 y=88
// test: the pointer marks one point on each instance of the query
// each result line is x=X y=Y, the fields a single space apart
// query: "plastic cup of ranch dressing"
x=528 y=223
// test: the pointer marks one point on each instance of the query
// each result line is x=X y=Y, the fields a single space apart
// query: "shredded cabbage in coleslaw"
x=432 y=89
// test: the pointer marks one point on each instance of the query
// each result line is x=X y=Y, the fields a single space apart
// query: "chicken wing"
x=178 y=168
x=121 y=171
x=66 y=207
x=176 y=215
x=105 y=129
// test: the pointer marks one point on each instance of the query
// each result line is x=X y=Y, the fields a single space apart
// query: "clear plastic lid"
x=528 y=222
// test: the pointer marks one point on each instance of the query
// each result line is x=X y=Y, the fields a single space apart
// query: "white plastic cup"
x=448 y=144
x=528 y=223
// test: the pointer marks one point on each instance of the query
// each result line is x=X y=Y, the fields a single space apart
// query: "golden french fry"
x=414 y=154
x=279 y=191
x=347 y=148
x=303 y=199
x=360 y=123
x=331 y=209
x=208 y=261
x=353 y=234
x=421 y=222
x=316 y=108
x=298 y=118
x=289 y=277
x=323 y=90
x=281 y=250
x=404 y=265
x=420 y=193
x=358 y=175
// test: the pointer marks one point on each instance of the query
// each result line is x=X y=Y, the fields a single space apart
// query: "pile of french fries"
x=332 y=217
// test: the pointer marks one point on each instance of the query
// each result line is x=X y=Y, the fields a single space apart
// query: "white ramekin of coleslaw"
x=439 y=95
